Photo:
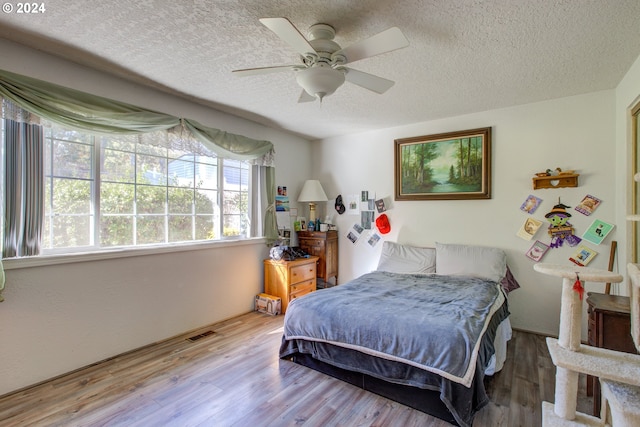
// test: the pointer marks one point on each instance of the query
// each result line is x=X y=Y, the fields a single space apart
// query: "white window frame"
x=95 y=213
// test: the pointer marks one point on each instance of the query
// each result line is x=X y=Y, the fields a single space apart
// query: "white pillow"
x=476 y=261
x=397 y=258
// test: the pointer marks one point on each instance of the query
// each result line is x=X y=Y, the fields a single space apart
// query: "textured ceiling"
x=464 y=55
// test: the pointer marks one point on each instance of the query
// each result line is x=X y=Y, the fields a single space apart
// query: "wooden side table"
x=610 y=328
x=290 y=279
x=324 y=245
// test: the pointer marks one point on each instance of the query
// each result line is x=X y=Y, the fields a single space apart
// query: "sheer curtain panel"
x=263 y=207
x=24 y=189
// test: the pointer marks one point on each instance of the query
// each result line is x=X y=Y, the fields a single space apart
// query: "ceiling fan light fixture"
x=320 y=81
x=323 y=69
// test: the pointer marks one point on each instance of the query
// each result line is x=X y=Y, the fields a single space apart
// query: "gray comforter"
x=430 y=323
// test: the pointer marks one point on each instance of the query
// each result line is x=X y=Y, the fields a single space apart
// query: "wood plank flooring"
x=234 y=378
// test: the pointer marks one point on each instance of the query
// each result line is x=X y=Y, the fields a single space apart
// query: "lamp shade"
x=312 y=192
x=320 y=81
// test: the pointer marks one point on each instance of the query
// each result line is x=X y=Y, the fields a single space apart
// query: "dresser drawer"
x=303 y=272
x=312 y=243
x=302 y=289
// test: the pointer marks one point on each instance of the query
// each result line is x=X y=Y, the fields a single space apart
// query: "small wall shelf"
x=556 y=181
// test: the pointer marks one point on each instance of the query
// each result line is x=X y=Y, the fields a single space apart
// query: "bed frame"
x=424 y=400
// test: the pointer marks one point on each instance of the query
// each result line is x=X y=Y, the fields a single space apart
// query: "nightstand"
x=324 y=245
x=610 y=328
x=290 y=279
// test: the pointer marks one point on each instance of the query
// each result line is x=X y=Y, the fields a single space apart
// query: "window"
x=114 y=191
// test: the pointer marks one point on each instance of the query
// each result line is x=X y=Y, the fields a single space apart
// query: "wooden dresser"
x=290 y=279
x=324 y=245
x=609 y=327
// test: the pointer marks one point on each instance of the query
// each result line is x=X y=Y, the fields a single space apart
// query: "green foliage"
x=235 y=206
x=469 y=162
x=117 y=222
x=72 y=206
x=417 y=174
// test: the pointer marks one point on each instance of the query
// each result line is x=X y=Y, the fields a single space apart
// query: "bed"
x=393 y=331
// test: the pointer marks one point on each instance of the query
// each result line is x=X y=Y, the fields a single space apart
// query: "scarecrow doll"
x=560 y=229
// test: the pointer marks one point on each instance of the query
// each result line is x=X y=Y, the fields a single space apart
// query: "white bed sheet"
x=503 y=335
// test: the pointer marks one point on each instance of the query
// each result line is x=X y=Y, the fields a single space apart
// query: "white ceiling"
x=464 y=55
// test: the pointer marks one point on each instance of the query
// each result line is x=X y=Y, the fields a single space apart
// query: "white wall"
x=59 y=318
x=570 y=133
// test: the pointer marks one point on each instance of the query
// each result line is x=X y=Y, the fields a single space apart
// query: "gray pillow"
x=476 y=261
x=398 y=258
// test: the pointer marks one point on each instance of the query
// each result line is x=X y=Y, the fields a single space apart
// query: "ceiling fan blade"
x=383 y=42
x=289 y=34
x=305 y=97
x=262 y=70
x=368 y=81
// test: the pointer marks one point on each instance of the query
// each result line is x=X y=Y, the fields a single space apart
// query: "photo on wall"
x=381 y=206
x=529 y=228
x=537 y=250
x=354 y=233
x=373 y=239
x=582 y=255
x=531 y=204
x=282 y=203
x=588 y=205
x=353 y=204
x=597 y=231
x=366 y=218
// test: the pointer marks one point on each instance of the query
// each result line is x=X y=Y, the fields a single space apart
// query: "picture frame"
x=446 y=166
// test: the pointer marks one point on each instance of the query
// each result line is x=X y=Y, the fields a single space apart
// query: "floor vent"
x=200 y=336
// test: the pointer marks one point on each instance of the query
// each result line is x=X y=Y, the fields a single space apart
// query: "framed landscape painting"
x=447 y=166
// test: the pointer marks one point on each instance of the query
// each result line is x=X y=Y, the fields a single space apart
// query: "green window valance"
x=80 y=110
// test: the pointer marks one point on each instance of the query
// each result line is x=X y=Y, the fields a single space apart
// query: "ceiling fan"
x=323 y=69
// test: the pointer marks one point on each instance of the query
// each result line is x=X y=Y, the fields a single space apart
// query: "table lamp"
x=312 y=192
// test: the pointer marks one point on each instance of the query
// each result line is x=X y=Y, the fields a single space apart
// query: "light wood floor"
x=234 y=378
